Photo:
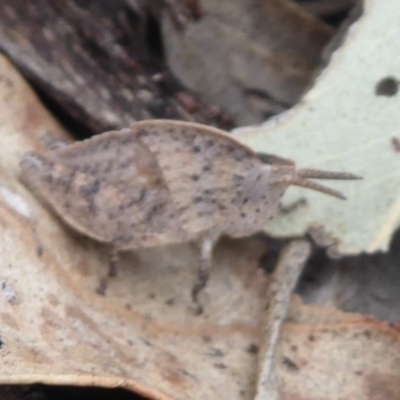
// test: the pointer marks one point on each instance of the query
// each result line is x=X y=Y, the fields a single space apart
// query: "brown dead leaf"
x=143 y=335
x=255 y=58
x=328 y=354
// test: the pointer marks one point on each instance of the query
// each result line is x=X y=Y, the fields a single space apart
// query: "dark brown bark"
x=100 y=61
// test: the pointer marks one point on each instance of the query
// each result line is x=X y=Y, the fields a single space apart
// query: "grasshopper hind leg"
x=113 y=268
x=203 y=272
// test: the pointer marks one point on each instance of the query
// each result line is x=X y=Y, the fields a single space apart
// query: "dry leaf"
x=143 y=335
x=347 y=121
x=328 y=354
x=251 y=57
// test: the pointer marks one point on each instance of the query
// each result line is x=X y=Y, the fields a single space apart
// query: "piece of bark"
x=99 y=61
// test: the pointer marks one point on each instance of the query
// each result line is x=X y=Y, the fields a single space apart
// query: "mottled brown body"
x=163 y=182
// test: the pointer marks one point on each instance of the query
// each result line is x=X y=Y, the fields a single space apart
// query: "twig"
x=281 y=287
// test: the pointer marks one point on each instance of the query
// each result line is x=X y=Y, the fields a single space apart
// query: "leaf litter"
x=56 y=329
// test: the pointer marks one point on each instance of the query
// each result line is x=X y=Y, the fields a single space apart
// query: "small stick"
x=279 y=293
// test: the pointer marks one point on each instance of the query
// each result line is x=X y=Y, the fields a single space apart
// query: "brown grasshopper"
x=161 y=182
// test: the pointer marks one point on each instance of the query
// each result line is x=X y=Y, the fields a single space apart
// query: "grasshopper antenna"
x=303 y=175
